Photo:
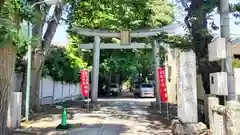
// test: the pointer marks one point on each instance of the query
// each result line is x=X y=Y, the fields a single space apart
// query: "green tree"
x=63 y=65
x=118 y=15
x=196 y=22
x=199 y=36
x=11 y=13
x=236 y=63
x=41 y=48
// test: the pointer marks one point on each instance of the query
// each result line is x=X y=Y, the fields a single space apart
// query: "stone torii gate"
x=97 y=45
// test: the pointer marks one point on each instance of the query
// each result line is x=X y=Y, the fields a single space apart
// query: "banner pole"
x=168 y=111
x=160 y=107
x=88 y=103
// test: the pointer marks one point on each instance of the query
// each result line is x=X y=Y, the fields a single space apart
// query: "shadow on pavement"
x=163 y=115
x=157 y=121
x=140 y=111
x=77 y=129
x=123 y=94
x=79 y=106
x=74 y=107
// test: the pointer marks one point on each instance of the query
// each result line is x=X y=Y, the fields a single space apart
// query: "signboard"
x=84 y=82
x=163 y=88
x=125 y=37
x=187 y=87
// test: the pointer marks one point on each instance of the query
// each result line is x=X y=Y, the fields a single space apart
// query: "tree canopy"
x=111 y=15
x=116 y=16
x=122 y=14
x=11 y=14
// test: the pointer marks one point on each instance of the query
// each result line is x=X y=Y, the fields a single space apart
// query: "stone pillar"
x=212 y=101
x=95 y=70
x=187 y=97
x=14 y=110
x=206 y=120
x=187 y=87
x=233 y=117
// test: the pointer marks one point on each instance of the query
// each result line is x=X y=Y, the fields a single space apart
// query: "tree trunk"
x=36 y=77
x=38 y=59
x=23 y=88
x=201 y=41
x=197 y=17
x=205 y=68
x=1 y=3
x=7 y=60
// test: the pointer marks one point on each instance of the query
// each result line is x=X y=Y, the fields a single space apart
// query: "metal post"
x=95 y=75
x=156 y=66
x=29 y=66
x=225 y=33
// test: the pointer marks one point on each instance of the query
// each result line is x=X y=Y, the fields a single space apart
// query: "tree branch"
x=1 y=3
x=186 y=20
x=188 y=9
x=184 y=4
x=52 y=27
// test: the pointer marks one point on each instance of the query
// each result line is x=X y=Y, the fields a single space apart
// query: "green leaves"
x=180 y=42
x=236 y=63
x=117 y=15
x=11 y=14
x=62 y=64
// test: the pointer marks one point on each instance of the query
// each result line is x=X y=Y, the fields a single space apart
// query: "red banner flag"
x=162 y=80
x=84 y=81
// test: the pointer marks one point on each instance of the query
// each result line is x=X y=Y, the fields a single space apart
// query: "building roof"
x=235 y=46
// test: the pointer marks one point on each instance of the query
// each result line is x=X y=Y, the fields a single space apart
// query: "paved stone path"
x=122 y=116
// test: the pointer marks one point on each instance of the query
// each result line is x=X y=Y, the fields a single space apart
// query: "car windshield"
x=137 y=86
x=113 y=85
x=147 y=85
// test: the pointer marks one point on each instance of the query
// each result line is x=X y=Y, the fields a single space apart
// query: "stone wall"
x=224 y=120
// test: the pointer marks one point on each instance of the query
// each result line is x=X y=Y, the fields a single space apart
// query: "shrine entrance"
x=125 y=37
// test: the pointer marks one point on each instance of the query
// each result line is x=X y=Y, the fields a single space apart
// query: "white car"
x=146 y=90
x=114 y=89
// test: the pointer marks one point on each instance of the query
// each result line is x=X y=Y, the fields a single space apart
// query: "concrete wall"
x=171 y=75
x=223 y=120
x=50 y=91
x=237 y=80
x=237 y=85
x=171 y=80
x=200 y=89
x=16 y=79
x=14 y=104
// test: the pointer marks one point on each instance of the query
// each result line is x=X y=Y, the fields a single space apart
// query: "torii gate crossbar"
x=96 y=46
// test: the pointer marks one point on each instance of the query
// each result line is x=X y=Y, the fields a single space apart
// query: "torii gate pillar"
x=155 y=49
x=95 y=74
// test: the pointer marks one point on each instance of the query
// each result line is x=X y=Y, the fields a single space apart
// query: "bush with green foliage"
x=63 y=64
x=236 y=63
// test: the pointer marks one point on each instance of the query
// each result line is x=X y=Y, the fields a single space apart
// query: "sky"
x=61 y=36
